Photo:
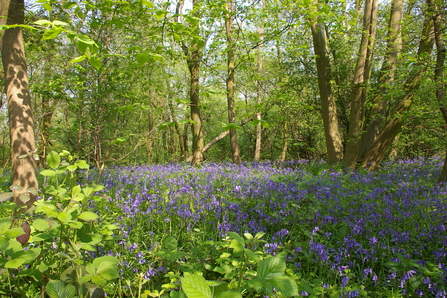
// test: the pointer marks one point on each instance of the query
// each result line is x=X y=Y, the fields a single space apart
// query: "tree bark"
x=360 y=84
x=439 y=69
x=386 y=137
x=229 y=19
x=21 y=123
x=334 y=144
x=193 y=54
x=257 y=155
x=380 y=102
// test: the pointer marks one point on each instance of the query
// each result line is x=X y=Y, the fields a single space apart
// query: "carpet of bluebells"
x=352 y=234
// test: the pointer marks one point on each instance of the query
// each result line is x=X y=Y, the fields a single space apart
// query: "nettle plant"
x=49 y=249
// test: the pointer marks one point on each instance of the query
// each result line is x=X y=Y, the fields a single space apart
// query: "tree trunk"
x=439 y=70
x=334 y=144
x=229 y=18
x=386 y=137
x=386 y=79
x=193 y=55
x=360 y=84
x=22 y=138
x=257 y=155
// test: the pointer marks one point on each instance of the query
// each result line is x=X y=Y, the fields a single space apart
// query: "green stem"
x=241 y=272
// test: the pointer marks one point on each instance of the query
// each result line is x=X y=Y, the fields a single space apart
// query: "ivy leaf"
x=6 y=196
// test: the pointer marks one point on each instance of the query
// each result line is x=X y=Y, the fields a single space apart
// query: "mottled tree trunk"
x=19 y=103
x=334 y=144
x=360 y=84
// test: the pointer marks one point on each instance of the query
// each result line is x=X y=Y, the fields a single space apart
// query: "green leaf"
x=32 y=190
x=3 y=243
x=51 y=33
x=270 y=267
x=88 y=216
x=53 y=160
x=285 y=285
x=142 y=58
x=95 y=62
x=237 y=242
x=14 y=263
x=24 y=197
x=48 y=173
x=159 y=14
x=42 y=22
x=5 y=224
x=195 y=286
x=82 y=164
x=6 y=196
x=15 y=187
x=58 y=289
x=14 y=232
x=64 y=217
x=229 y=294
x=41 y=225
x=171 y=243
x=78 y=59
x=107 y=267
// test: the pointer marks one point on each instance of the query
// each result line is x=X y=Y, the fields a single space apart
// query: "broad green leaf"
x=4 y=242
x=159 y=14
x=41 y=225
x=171 y=243
x=229 y=294
x=142 y=58
x=32 y=190
x=95 y=62
x=14 y=232
x=5 y=224
x=76 y=190
x=24 y=197
x=195 y=286
x=270 y=267
x=6 y=196
x=107 y=267
x=48 y=173
x=88 y=216
x=82 y=164
x=285 y=285
x=51 y=33
x=58 y=289
x=237 y=242
x=15 y=187
x=14 y=263
x=64 y=217
x=53 y=160
x=156 y=57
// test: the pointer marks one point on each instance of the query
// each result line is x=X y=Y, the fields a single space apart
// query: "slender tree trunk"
x=334 y=144
x=24 y=170
x=439 y=28
x=360 y=84
x=386 y=79
x=285 y=143
x=386 y=137
x=229 y=18
x=257 y=155
x=193 y=55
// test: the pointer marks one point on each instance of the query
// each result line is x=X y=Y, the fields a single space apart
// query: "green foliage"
x=64 y=230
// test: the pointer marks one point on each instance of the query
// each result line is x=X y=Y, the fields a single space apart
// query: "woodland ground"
x=342 y=234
